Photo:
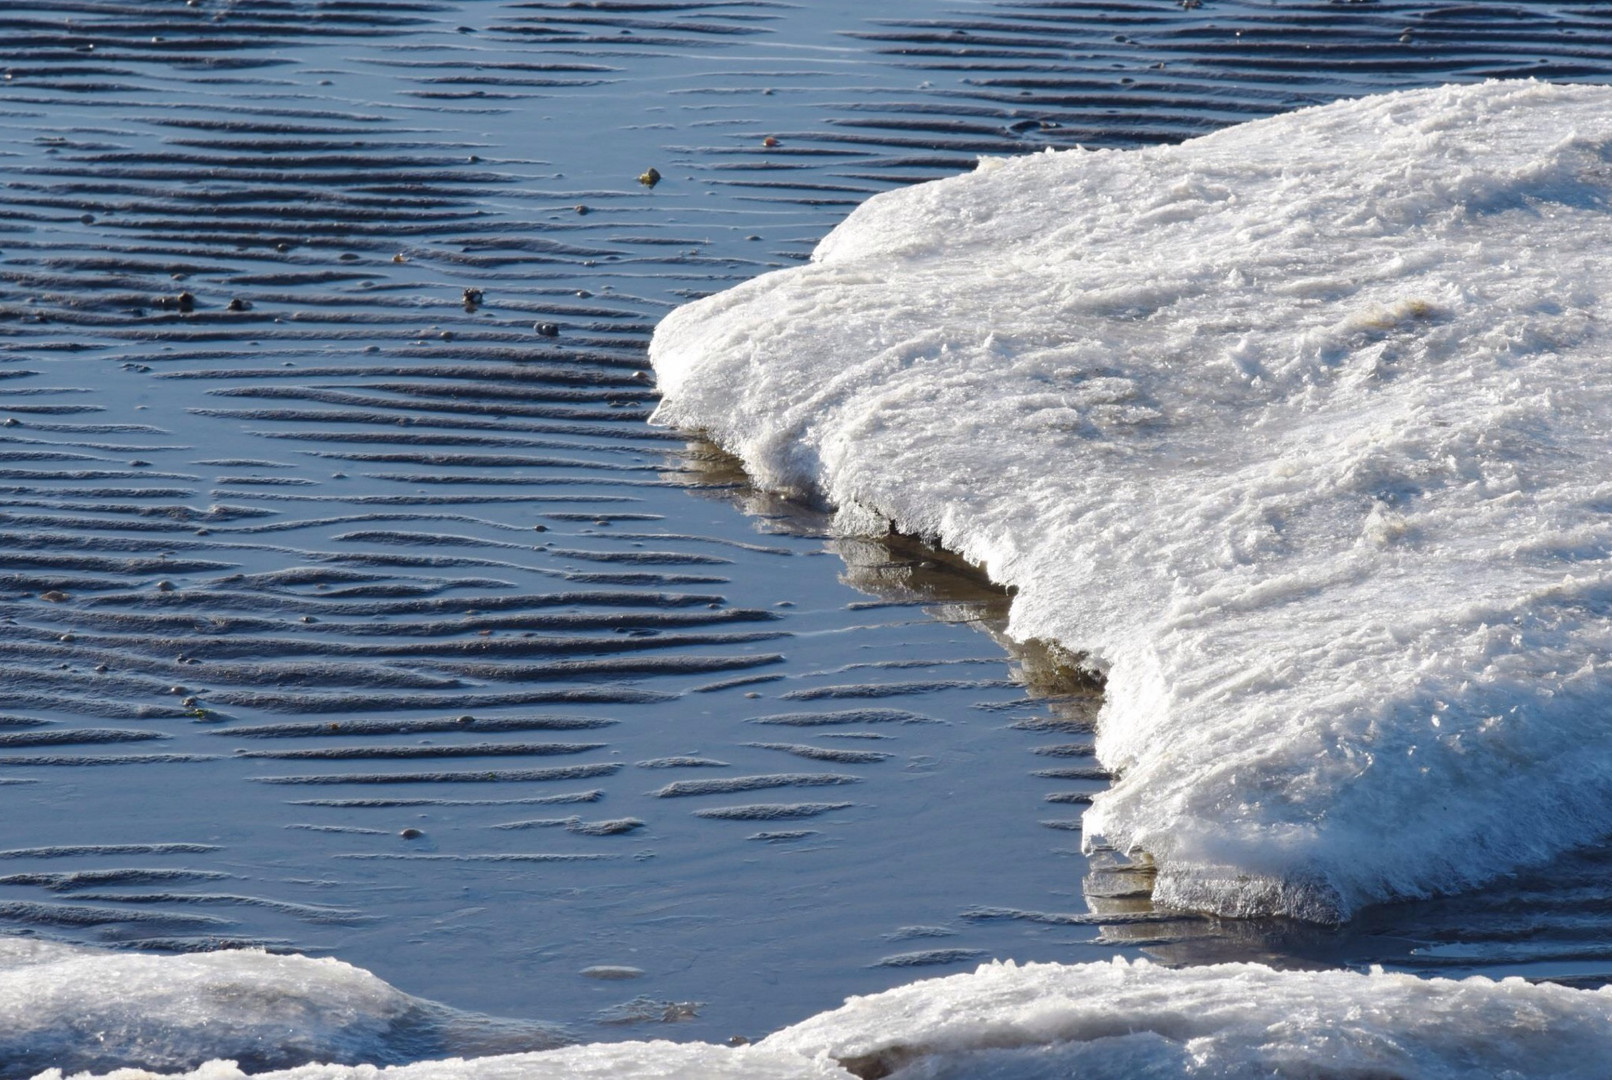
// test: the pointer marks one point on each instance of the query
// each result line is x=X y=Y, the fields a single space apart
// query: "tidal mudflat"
x=353 y=609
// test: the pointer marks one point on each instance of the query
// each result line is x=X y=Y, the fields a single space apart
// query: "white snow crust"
x=1103 y=1021
x=1300 y=431
x=73 y=1006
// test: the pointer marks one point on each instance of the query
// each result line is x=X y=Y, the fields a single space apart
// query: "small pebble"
x=649 y=177
x=185 y=301
x=547 y=329
x=411 y=834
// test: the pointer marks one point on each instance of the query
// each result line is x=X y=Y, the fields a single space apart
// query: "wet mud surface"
x=349 y=604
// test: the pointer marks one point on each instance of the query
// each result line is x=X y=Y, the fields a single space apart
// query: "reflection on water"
x=900 y=570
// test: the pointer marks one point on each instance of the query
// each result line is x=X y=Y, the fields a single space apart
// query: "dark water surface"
x=331 y=513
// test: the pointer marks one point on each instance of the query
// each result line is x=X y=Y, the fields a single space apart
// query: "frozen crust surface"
x=1299 y=431
x=1103 y=1021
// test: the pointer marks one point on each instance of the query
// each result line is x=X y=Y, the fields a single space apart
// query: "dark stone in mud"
x=547 y=329
x=649 y=177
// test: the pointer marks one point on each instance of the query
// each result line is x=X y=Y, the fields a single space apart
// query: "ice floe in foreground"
x=68 y=1006
x=1104 y=1021
x=1299 y=430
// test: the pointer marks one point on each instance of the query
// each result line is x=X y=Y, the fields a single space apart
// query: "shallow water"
x=263 y=559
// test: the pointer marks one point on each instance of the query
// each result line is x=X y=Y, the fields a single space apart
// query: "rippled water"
x=350 y=606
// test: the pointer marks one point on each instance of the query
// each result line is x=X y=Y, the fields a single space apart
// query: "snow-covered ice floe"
x=1104 y=1021
x=83 y=1008
x=1300 y=431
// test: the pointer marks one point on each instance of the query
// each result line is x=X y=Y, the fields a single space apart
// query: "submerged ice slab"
x=1300 y=431
x=1105 y=1021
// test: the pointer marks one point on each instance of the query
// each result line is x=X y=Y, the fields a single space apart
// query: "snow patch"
x=1298 y=431
x=77 y=1008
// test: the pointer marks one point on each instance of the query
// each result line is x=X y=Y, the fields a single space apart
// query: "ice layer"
x=1299 y=431
x=73 y=1007
x=1103 y=1021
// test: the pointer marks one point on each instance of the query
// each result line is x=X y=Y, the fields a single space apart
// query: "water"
x=316 y=514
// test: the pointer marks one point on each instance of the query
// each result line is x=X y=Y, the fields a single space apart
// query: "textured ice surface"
x=82 y=1008
x=606 y=1061
x=1106 y=1021
x=1230 y=1020
x=1299 y=430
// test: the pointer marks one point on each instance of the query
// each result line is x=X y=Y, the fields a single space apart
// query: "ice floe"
x=78 y=1008
x=1102 y=1021
x=1299 y=431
